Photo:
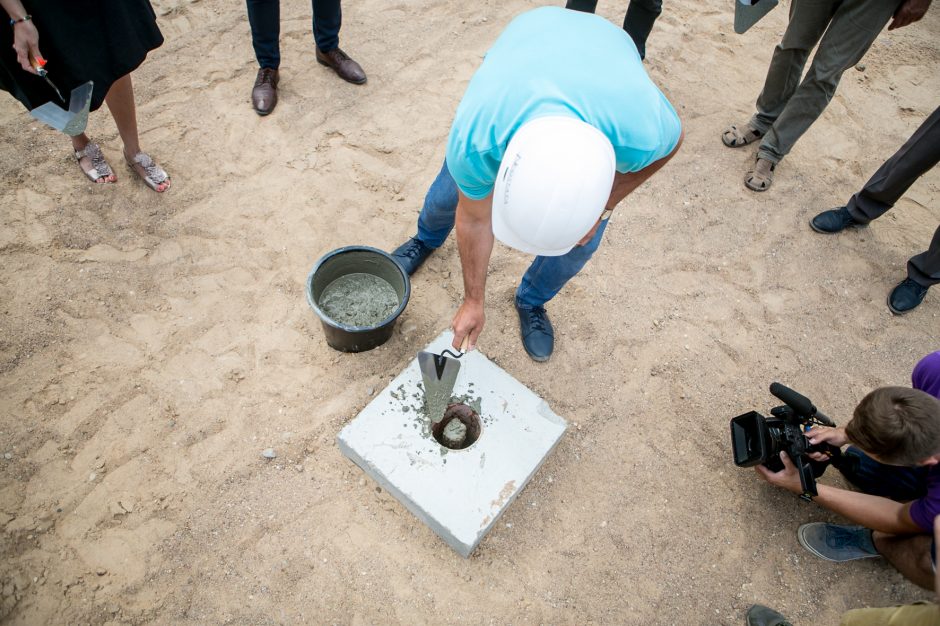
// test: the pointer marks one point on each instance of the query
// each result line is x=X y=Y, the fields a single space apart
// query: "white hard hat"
x=552 y=185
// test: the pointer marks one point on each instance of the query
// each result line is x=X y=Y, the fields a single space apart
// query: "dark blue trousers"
x=264 y=16
x=902 y=484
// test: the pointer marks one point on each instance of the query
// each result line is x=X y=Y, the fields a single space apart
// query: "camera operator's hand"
x=825 y=434
x=788 y=477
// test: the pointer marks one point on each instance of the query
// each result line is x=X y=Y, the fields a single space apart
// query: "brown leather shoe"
x=347 y=69
x=264 y=93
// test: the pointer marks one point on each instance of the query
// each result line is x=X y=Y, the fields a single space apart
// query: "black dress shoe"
x=834 y=220
x=759 y=615
x=906 y=296
x=411 y=254
x=538 y=337
x=264 y=93
x=346 y=68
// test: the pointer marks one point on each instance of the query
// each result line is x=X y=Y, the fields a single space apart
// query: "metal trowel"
x=439 y=373
x=749 y=12
x=73 y=121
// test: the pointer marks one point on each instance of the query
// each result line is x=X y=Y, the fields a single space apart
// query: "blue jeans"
x=544 y=278
x=264 y=16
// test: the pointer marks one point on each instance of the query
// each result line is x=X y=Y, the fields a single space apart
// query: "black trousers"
x=264 y=16
x=638 y=21
x=917 y=156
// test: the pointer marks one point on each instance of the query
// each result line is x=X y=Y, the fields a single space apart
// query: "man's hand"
x=909 y=12
x=468 y=324
x=788 y=477
x=825 y=434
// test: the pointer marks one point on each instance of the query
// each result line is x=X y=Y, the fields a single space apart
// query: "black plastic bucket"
x=352 y=260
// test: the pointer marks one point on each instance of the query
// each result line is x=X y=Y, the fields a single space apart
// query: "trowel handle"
x=38 y=64
x=464 y=344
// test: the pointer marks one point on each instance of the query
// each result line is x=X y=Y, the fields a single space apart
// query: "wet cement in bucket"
x=358 y=300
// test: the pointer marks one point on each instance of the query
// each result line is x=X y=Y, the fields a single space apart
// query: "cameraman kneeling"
x=895 y=462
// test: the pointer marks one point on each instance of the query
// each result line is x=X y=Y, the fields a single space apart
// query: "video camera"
x=758 y=439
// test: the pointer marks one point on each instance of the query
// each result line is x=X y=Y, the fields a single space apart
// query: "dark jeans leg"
x=888 y=481
x=639 y=21
x=924 y=268
x=440 y=210
x=586 y=6
x=548 y=274
x=892 y=180
x=264 y=17
x=327 y=18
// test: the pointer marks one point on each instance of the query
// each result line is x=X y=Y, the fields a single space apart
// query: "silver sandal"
x=99 y=167
x=153 y=173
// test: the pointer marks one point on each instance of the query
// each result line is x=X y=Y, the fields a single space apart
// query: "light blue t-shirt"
x=553 y=61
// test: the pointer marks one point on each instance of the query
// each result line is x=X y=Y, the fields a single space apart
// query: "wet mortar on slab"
x=458 y=488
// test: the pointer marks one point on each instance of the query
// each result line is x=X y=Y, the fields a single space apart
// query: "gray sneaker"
x=837 y=543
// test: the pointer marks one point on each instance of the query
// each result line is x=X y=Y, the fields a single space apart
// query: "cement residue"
x=358 y=300
x=455 y=432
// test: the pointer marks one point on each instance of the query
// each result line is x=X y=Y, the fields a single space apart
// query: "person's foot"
x=736 y=136
x=833 y=221
x=906 y=296
x=149 y=172
x=345 y=68
x=411 y=254
x=538 y=336
x=761 y=176
x=837 y=543
x=264 y=93
x=759 y=615
x=92 y=163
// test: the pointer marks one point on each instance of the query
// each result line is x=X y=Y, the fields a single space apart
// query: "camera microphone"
x=799 y=403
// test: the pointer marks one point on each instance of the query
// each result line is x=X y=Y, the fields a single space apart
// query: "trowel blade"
x=439 y=374
x=746 y=14
x=73 y=121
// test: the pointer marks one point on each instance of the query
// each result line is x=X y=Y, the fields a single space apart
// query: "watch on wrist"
x=606 y=214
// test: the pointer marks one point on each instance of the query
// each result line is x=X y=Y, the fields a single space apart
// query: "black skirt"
x=82 y=40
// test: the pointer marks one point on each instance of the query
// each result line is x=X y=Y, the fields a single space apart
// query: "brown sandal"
x=99 y=167
x=761 y=176
x=734 y=137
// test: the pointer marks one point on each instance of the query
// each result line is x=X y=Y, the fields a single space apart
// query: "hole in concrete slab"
x=459 y=429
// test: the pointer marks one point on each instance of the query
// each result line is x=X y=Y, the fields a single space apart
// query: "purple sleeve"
x=926 y=375
x=924 y=510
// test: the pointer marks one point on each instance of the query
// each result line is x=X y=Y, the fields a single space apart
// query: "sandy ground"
x=151 y=347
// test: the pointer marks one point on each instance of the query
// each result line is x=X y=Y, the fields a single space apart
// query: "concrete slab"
x=458 y=493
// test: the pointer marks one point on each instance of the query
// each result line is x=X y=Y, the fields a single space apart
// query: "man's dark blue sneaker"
x=834 y=542
x=411 y=254
x=906 y=296
x=833 y=221
x=538 y=337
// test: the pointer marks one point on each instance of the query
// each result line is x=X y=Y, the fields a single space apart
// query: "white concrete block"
x=458 y=493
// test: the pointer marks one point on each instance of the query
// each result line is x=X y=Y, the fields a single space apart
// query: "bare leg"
x=120 y=100
x=909 y=554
